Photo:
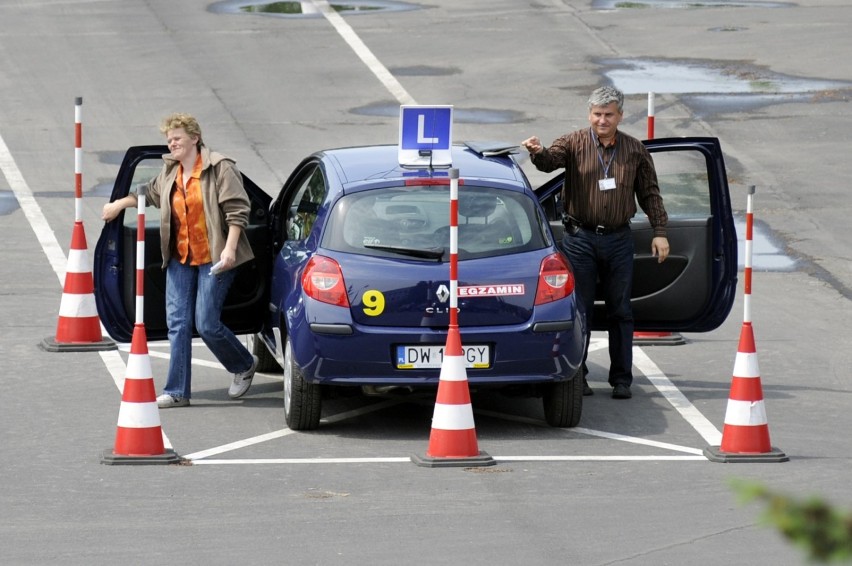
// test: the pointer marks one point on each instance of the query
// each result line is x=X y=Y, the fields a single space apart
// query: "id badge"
x=606 y=184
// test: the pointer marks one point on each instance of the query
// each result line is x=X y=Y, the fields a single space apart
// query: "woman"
x=204 y=210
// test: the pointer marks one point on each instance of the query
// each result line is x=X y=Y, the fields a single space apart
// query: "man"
x=606 y=173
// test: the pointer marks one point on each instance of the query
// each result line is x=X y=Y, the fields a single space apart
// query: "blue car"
x=351 y=282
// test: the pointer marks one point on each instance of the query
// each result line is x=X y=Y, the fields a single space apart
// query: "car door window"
x=303 y=208
x=145 y=171
x=684 y=184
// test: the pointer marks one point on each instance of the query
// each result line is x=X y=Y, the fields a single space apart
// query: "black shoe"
x=587 y=391
x=621 y=391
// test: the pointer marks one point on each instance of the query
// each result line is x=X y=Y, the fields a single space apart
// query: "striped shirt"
x=585 y=159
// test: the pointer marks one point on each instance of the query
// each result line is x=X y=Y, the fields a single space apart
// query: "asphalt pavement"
x=628 y=486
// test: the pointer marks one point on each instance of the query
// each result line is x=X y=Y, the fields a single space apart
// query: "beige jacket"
x=223 y=196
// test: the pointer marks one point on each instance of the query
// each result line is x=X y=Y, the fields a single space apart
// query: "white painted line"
x=32 y=211
x=678 y=400
x=239 y=444
x=645 y=365
x=305 y=461
x=53 y=251
x=407 y=460
x=599 y=458
x=636 y=440
x=362 y=51
x=195 y=456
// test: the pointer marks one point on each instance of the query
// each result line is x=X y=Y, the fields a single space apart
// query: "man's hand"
x=660 y=248
x=532 y=144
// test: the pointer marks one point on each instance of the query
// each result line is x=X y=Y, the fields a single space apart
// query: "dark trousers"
x=607 y=258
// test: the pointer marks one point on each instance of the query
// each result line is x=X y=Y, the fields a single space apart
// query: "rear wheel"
x=302 y=400
x=266 y=361
x=563 y=401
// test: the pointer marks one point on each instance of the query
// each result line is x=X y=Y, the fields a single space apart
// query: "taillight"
x=555 y=280
x=323 y=281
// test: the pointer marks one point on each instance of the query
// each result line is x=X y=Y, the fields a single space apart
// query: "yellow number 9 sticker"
x=374 y=302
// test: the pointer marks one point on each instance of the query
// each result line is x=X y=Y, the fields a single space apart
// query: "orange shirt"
x=189 y=225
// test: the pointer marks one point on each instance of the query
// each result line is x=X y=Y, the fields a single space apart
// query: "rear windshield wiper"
x=428 y=253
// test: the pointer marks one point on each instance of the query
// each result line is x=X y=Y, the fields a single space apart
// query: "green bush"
x=824 y=532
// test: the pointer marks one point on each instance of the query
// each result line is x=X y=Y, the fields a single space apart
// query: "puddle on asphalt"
x=307 y=9
x=8 y=203
x=705 y=77
x=711 y=87
x=681 y=4
x=766 y=252
x=424 y=71
x=461 y=115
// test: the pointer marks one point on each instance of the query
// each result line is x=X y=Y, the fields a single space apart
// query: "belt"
x=601 y=230
x=572 y=224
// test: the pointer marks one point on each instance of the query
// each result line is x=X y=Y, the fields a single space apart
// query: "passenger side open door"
x=694 y=289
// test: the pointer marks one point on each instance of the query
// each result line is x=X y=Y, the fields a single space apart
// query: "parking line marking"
x=398 y=460
x=364 y=53
x=676 y=399
x=638 y=440
x=239 y=444
x=53 y=251
x=32 y=211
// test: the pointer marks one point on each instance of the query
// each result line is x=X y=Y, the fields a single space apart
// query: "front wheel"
x=302 y=400
x=563 y=401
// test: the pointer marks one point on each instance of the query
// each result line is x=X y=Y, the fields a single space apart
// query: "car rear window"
x=415 y=221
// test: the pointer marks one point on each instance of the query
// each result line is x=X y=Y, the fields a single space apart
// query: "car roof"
x=380 y=163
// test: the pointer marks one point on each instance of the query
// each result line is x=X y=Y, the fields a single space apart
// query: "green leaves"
x=824 y=532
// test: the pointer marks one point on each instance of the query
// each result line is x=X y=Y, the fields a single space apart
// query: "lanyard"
x=600 y=155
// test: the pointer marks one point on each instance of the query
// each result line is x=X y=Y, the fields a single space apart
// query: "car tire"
x=302 y=400
x=266 y=361
x=563 y=401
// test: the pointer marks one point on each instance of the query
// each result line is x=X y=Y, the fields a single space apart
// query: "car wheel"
x=563 y=401
x=266 y=361
x=302 y=400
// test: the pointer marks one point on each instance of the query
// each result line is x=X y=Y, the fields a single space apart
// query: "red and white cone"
x=745 y=437
x=453 y=438
x=139 y=436
x=78 y=328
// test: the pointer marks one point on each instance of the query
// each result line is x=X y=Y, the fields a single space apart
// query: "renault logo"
x=443 y=293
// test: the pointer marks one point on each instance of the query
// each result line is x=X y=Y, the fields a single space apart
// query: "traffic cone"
x=139 y=437
x=453 y=438
x=78 y=328
x=745 y=437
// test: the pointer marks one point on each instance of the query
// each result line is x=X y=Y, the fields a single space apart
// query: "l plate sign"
x=425 y=135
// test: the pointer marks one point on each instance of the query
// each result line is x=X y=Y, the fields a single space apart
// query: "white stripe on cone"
x=452 y=417
x=138 y=415
x=75 y=305
x=138 y=366
x=78 y=261
x=745 y=413
x=746 y=365
x=452 y=369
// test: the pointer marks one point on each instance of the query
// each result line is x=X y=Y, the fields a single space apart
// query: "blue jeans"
x=195 y=297
x=607 y=258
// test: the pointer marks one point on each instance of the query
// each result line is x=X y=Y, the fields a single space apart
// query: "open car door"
x=694 y=289
x=114 y=268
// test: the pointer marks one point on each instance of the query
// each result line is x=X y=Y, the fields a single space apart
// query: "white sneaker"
x=242 y=380
x=166 y=401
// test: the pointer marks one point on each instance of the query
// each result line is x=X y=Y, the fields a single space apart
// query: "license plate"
x=423 y=356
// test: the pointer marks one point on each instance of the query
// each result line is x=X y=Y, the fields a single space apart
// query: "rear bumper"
x=366 y=355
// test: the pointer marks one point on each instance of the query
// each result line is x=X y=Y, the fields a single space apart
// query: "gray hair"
x=607 y=95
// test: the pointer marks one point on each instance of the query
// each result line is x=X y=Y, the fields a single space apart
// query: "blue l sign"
x=425 y=135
